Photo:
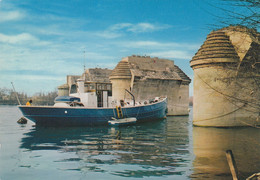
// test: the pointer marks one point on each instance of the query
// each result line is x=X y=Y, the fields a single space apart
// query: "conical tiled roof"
x=216 y=48
x=183 y=76
x=122 y=70
x=143 y=68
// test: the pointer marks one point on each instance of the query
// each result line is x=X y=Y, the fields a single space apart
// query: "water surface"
x=167 y=149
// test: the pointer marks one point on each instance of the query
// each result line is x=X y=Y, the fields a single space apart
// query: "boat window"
x=86 y=87
x=91 y=86
x=73 y=89
x=109 y=93
x=104 y=86
x=109 y=87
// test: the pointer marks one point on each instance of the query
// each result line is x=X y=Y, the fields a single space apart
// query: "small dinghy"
x=122 y=122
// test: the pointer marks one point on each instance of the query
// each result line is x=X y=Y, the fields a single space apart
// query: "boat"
x=122 y=122
x=81 y=116
x=84 y=108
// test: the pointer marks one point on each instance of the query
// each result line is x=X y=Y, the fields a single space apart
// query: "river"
x=167 y=149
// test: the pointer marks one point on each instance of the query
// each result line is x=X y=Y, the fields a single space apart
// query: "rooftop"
x=230 y=44
x=146 y=67
x=97 y=74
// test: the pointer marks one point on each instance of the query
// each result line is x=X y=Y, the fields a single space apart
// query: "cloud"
x=120 y=26
x=10 y=16
x=120 y=29
x=145 y=44
x=151 y=44
x=146 y=27
x=108 y=34
x=68 y=56
x=35 y=77
x=20 y=38
x=172 y=54
x=159 y=45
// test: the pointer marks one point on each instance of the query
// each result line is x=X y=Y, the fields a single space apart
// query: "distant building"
x=147 y=78
x=227 y=79
x=90 y=75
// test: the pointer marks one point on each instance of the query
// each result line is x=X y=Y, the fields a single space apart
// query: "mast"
x=84 y=65
x=16 y=94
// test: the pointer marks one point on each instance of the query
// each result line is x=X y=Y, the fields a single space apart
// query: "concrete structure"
x=90 y=75
x=143 y=76
x=63 y=90
x=227 y=79
x=147 y=78
x=97 y=75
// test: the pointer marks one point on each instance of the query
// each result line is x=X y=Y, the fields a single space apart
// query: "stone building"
x=147 y=78
x=227 y=78
x=90 y=75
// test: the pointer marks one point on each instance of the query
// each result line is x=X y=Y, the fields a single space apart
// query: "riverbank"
x=8 y=97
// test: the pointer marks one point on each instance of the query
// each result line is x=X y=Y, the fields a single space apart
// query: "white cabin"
x=93 y=94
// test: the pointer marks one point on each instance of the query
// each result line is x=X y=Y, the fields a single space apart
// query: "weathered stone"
x=145 y=77
x=148 y=77
x=63 y=90
x=227 y=79
x=22 y=120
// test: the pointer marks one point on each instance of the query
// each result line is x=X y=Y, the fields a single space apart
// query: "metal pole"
x=16 y=94
x=131 y=95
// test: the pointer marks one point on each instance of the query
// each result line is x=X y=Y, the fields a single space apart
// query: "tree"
x=242 y=12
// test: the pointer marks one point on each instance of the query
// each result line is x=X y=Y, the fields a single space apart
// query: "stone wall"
x=227 y=79
x=148 y=78
x=219 y=100
x=72 y=79
x=176 y=93
x=182 y=104
x=118 y=88
x=97 y=74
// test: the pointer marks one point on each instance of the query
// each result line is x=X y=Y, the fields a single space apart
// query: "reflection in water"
x=170 y=149
x=149 y=149
x=210 y=144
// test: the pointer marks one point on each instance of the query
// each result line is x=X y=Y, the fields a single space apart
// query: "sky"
x=41 y=42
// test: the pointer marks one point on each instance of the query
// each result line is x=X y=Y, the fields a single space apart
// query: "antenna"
x=84 y=65
x=16 y=94
x=84 y=59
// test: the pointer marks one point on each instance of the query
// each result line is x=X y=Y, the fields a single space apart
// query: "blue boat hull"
x=80 y=116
